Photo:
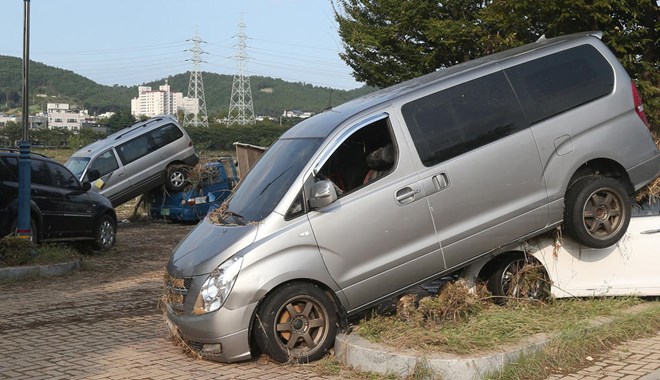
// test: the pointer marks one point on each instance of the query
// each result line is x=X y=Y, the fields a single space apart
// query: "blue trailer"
x=213 y=185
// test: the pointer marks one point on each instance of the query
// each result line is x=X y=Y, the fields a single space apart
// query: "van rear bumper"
x=192 y=160
x=645 y=172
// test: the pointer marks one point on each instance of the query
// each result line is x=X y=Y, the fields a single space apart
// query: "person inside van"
x=379 y=162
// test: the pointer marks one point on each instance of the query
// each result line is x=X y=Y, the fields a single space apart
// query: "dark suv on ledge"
x=62 y=209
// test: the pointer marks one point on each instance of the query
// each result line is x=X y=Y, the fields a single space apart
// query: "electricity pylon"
x=196 y=89
x=241 y=110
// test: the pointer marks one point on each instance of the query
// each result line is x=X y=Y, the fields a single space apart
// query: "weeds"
x=460 y=322
x=15 y=251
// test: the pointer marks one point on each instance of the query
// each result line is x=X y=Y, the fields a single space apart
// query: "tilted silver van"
x=359 y=203
x=136 y=159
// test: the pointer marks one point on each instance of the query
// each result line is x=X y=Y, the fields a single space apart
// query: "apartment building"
x=160 y=102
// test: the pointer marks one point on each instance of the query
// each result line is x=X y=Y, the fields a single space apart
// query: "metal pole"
x=24 y=228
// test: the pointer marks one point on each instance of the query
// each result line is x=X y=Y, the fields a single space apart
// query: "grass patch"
x=576 y=342
x=15 y=251
x=478 y=325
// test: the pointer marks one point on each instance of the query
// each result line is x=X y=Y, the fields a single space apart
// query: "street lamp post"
x=24 y=228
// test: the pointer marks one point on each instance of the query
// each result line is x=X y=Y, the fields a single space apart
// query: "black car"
x=62 y=209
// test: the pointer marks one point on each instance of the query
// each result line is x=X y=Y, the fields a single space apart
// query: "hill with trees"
x=54 y=85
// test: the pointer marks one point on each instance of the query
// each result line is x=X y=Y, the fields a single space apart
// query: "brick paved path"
x=104 y=323
x=639 y=359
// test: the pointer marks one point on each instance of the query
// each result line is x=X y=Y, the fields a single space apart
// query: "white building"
x=160 y=102
x=60 y=116
x=297 y=113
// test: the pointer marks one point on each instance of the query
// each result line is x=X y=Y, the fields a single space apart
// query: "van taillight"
x=639 y=106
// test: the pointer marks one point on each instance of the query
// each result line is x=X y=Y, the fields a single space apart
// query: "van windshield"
x=77 y=165
x=270 y=178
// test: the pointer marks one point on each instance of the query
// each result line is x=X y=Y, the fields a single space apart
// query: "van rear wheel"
x=297 y=323
x=597 y=211
x=177 y=177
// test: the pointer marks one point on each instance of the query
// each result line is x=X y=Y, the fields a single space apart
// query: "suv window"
x=456 y=120
x=559 y=82
x=62 y=177
x=9 y=169
x=40 y=174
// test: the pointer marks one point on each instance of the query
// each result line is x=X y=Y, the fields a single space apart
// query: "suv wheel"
x=106 y=234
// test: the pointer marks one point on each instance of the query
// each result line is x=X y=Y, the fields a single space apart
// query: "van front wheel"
x=297 y=323
x=597 y=211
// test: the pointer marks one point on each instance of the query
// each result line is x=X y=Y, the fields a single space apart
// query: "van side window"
x=365 y=156
x=105 y=163
x=165 y=135
x=456 y=120
x=559 y=82
x=134 y=149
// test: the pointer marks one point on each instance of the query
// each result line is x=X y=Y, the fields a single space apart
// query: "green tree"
x=120 y=120
x=388 y=41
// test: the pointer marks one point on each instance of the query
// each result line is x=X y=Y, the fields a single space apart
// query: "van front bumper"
x=222 y=335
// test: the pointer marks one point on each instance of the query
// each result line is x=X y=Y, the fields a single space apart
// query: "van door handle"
x=406 y=195
x=441 y=181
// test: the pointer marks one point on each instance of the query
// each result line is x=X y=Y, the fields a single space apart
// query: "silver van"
x=136 y=159
x=359 y=203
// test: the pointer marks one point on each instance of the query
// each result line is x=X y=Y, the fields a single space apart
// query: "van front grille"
x=176 y=290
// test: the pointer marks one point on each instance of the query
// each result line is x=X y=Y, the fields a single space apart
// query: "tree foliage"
x=388 y=41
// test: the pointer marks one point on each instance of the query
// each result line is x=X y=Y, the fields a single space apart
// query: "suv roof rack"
x=17 y=150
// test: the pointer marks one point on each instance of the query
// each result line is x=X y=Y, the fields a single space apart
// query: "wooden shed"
x=247 y=155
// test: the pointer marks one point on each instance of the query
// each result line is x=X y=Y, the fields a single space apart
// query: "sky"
x=131 y=42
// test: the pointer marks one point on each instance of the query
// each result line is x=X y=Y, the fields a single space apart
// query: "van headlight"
x=217 y=287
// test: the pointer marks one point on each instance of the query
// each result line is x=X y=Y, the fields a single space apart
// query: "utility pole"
x=241 y=110
x=23 y=227
x=196 y=89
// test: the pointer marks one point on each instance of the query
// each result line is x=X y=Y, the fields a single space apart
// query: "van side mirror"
x=86 y=186
x=323 y=193
x=93 y=175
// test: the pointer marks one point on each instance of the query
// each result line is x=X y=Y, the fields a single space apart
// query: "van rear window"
x=559 y=82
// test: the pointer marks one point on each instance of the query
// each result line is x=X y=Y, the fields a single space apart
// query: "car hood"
x=207 y=246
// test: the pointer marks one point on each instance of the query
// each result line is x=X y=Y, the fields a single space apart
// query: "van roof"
x=120 y=136
x=322 y=125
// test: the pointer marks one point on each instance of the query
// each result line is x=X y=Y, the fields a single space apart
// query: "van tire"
x=518 y=276
x=314 y=325
x=597 y=211
x=105 y=234
x=177 y=177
